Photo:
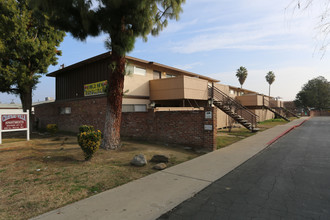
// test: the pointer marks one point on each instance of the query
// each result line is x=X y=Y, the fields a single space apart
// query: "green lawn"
x=226 y=137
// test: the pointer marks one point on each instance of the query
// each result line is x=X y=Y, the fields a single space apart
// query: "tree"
x=241 y=74
x=314 y=94
x=27 y=47
x=270 y=78
x=123 y=22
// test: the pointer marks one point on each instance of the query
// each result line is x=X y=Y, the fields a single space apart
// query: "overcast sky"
x=215 y=37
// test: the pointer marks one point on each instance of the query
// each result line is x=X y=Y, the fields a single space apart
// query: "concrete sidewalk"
x=153 y=195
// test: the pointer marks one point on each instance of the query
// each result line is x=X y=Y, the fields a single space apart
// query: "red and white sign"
x=14 y=121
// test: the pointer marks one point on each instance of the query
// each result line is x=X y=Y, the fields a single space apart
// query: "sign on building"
x=208 y=115
x=14 y=120
x=96 y=88
x=208 y=127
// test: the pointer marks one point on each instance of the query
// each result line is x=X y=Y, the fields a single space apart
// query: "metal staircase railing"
x=290 y=112
x=233 y=108
x=267 y=104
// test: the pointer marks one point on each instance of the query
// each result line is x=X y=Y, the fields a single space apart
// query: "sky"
x=215 y=37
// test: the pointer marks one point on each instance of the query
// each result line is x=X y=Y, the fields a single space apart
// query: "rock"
x=160 y=166
x=139 y=160
x=159 y=158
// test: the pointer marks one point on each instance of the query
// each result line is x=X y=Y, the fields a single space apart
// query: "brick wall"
x=175 y=127
x=83 y=111
x=178 y=127
x=319 y=113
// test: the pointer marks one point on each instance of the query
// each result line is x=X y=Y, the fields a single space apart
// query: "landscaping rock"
x=139 y=160
x=160 y=166
x=159 y=159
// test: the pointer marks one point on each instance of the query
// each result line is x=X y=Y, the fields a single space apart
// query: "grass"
x=49 y=172
x=271 y=123
x=226 y=137
x=226 y=140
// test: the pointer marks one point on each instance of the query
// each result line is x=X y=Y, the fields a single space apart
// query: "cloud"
x=174 y=26
x=261 y=29
x=188 y=66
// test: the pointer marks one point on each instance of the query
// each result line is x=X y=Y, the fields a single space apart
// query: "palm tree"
x=270 y=78
x=241 y=74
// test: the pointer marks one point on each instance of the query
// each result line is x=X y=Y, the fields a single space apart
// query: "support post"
x=28 y=125
x=0 y=129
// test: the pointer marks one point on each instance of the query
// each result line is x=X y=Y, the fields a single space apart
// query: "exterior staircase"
x=267 y=105
x=276 y=113
x=290 y=112
x=233 y=108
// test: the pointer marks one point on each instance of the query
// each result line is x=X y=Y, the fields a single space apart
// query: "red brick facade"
x=190 y=128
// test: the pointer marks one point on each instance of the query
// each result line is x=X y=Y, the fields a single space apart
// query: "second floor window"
x=140 y=71
x=169 y=75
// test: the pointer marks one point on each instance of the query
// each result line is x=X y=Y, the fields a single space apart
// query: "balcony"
x=256 y=100
x=252 y=100
x=276 y=103
x=180 y=87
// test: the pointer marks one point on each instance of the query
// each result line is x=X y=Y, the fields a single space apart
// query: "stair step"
x=243 y=121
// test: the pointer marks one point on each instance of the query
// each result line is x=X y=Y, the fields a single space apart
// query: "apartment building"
x=80 y=93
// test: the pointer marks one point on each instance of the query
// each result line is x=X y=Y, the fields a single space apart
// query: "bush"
x=86 y=128
x=89 y=140
x=52 y=128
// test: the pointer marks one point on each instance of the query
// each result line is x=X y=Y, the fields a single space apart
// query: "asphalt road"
x=288 y=180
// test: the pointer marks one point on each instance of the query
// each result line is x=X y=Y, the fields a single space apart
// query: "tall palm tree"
x=270 y=78
x=241 y=74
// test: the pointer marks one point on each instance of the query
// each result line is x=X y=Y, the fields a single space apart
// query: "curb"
x=287 y=131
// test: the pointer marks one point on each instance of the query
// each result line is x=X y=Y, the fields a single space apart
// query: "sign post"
x=14 y=120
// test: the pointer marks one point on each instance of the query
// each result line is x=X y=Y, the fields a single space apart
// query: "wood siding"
x=70 y=84
x=180 y=87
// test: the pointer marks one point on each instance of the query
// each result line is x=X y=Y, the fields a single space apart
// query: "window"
x=232 y=92
x=130 y=69
x=134 y=108
x=157 y=75
x=169 y=75
x=65 y=110
x=127 y=108
x=140 y=108
x=140 y=71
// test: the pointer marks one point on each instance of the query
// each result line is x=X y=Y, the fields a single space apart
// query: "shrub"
x=89 y=140
x=86 y=128
x=52 y=128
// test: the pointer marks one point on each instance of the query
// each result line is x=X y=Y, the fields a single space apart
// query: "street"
x=288 y=180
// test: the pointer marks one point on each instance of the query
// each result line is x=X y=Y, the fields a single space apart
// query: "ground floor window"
x=134 y=108
x=65 y=110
